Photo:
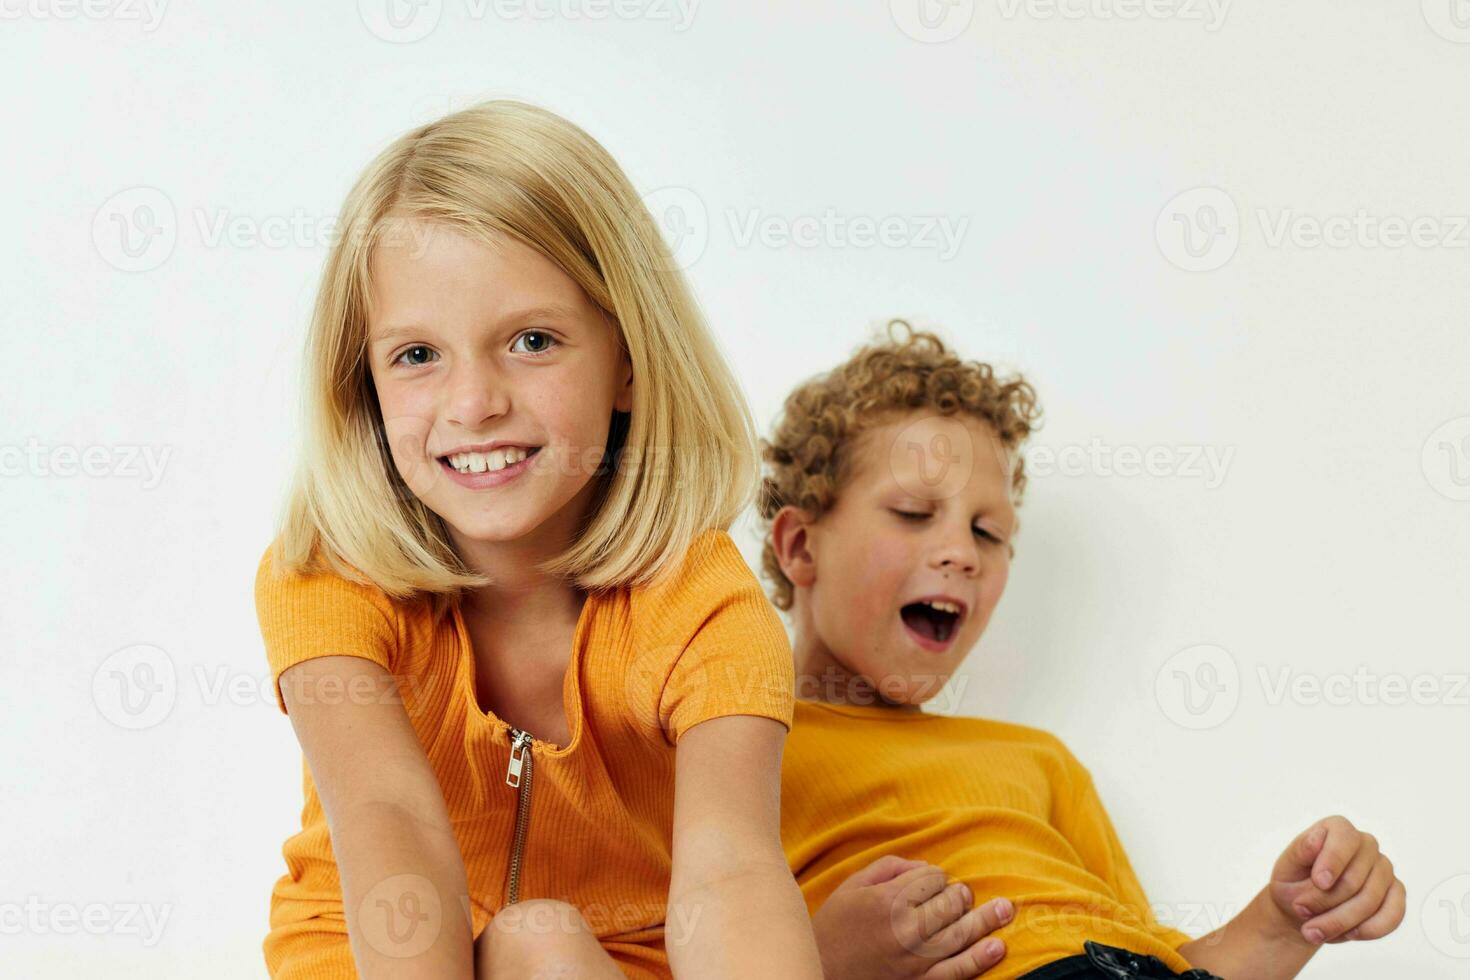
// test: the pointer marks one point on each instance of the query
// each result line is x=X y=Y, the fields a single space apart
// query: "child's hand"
x=1332 y=885
x=896 y=919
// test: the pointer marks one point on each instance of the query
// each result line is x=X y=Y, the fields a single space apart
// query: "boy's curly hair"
x=821 y=424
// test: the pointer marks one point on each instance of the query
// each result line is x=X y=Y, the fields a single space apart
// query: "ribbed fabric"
x=646 y=665
x=1004 y=808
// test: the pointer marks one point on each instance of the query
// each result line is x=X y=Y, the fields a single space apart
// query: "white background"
x=1333 y=543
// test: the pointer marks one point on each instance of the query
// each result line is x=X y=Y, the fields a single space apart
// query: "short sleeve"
x=728 y=650
x=1084 y=822
x=320 y=615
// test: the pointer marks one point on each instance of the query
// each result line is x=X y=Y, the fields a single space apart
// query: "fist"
x=1334 y=885
x=898 y=919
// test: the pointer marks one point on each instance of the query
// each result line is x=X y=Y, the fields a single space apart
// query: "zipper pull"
x=520 y=742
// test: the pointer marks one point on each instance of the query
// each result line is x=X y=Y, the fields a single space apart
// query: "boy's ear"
x=791 y=540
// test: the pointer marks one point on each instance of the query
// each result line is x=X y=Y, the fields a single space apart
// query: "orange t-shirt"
x=1004 y=808
x=646 y=665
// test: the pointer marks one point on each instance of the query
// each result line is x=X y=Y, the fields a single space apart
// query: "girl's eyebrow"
x=551 y=311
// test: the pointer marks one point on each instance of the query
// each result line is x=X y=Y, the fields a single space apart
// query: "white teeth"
x=942 y=606
x=495 y=459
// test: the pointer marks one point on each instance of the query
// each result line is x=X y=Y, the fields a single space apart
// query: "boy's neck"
x=821 y=676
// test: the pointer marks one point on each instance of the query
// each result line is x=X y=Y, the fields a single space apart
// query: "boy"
x=891 y=508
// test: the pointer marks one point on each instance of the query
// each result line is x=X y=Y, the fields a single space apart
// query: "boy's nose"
x=965 y=566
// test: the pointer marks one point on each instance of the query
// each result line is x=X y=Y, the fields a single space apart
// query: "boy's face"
x=472 y=345
x=926 y=514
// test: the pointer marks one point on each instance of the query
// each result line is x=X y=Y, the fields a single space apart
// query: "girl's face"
x=925 y=514
x=478 y=350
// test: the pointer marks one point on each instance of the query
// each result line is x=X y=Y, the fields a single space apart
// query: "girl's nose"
x=476 y=395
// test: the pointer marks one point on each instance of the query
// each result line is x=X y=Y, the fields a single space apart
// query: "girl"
x=502 y=594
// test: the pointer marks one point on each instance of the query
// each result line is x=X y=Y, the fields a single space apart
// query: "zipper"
x=518 y=775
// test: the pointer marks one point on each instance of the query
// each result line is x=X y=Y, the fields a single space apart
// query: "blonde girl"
x=540 y=696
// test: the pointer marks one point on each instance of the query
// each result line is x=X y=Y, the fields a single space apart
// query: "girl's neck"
x=520 y=594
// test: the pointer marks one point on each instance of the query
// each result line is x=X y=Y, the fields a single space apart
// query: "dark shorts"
x=1101 y=962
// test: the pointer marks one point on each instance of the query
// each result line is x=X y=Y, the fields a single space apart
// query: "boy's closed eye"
x=917 y=516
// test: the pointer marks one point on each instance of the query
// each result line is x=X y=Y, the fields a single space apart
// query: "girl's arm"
x=734 y=908
x=404 y=892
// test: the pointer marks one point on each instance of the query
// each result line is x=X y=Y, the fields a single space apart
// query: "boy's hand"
x=1332 y=885
x=896 y=919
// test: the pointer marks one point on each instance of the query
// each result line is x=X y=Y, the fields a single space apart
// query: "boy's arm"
x=404 y=891
x=734 y=909
x=1331 y=885
x=897 y=919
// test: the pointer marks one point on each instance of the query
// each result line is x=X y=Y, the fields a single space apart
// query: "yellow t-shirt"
x=646 y=665
x=1004 y=808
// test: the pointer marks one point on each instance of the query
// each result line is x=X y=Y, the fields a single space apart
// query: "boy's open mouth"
x=932 y=622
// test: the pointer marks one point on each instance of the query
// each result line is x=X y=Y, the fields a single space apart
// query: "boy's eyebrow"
x=549 y=311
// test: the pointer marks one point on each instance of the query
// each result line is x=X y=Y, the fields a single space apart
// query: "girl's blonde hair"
x=682 y=462
x=822 y=429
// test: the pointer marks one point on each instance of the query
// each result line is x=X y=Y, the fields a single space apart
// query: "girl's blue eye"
x=415 y=347
x=546 y=341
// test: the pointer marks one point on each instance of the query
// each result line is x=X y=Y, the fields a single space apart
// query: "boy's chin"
x=907 y=688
